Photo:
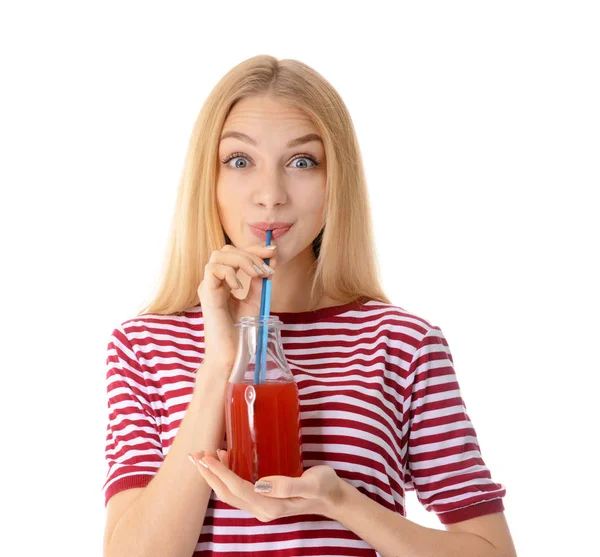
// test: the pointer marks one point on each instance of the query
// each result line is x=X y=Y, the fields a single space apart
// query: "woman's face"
x=269 y=177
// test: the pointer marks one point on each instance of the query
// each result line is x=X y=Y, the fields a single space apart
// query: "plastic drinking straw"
x=263 y=337
x=263 y=369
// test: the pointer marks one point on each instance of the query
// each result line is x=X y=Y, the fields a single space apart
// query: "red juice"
x=263 y=430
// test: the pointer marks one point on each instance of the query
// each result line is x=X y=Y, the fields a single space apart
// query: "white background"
x=479 y=124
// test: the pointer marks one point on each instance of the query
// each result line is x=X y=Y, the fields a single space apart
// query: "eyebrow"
x=293 y=143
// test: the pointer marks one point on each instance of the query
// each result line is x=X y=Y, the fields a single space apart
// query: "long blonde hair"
x=346 y=267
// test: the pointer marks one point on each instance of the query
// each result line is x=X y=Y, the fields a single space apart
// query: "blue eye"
x=235 y=164
x=305 y=158
x=243 y=156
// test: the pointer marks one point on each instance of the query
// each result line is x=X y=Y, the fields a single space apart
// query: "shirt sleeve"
x=445 y=466
x=133 y=445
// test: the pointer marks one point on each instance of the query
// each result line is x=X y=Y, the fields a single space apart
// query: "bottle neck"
x=260 y=354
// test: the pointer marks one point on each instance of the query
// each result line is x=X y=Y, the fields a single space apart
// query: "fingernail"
x=198 y=459
x=268 y=269
x=271 y=247
x=258 y=269
x=263 y=487
x=202 y=463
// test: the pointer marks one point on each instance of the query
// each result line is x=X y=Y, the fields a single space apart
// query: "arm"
x=166 y=517
x=393 y=535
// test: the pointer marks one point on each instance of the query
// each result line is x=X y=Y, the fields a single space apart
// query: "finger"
x=195 y=457
x=217 y=273
x=260 y=250
x=251 y=503
x=213 y=479
x=238 y=486
x=267 y=255
x=220 y=488
x=223 y=457
x=273 y=263
x=251 y=264
x=285 y=487
x=228 y=275
x=263 y=251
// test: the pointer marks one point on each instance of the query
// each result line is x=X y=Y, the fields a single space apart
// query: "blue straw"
x=263 y=336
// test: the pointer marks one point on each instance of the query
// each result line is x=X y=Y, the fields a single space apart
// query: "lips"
x=279 y=229
x=271 y=225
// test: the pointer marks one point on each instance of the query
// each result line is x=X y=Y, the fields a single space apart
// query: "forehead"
x=265 y=111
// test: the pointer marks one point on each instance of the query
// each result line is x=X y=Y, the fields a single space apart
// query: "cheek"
x=312 y=202
x=221 y=196
x=226 y=203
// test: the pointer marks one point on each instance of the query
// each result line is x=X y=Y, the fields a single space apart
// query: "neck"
x=292 y=283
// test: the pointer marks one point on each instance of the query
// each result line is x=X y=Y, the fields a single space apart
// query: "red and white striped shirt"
x=380 y=403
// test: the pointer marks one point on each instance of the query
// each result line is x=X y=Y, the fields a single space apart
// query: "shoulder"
x=145 y=336
x=406 y=337
x=397 y=322
x=157 y=350
x=154 y=326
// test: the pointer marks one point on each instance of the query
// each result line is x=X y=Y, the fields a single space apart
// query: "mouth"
x=259 y=229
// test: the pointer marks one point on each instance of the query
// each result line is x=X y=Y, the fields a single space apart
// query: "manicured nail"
x=203 y=463
x=263 y=487
x=268 y=269
x=198 y=460
x=258 y=269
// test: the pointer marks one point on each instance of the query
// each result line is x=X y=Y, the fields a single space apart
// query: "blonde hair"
x=346 y=267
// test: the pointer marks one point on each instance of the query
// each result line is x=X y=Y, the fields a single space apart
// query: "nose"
x=270 y=190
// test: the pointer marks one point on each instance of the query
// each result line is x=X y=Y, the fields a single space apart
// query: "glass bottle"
x=262 y=411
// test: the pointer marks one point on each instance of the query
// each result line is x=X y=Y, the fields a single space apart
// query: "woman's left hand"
x=317 y=491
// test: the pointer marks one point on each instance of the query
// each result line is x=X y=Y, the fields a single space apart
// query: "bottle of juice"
x=262 y=411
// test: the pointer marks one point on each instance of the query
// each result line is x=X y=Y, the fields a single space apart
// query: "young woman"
x=381 y=410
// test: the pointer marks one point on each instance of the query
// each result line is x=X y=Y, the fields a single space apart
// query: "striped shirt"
x=379 y=400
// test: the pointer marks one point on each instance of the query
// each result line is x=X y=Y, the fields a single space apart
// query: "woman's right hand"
x=220 y=308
